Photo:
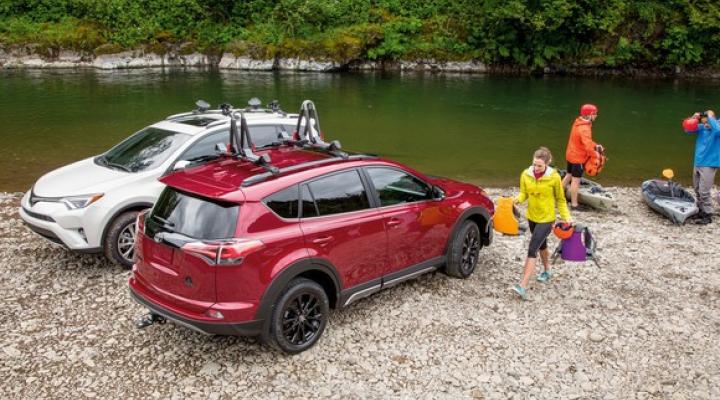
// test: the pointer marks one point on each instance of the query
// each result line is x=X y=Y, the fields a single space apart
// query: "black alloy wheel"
x=470 y=251
x=464 y=251
x=299 y=316
x=302 y=319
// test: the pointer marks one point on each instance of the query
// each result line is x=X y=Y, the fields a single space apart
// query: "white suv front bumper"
x=56 y=223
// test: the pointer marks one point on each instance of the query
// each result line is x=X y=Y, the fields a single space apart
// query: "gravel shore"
x=644 y=325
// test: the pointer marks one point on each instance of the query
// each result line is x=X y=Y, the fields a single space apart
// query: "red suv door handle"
x=393 y=222
x=323 y=240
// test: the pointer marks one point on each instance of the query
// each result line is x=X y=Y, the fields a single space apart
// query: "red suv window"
x=396 y=187
x=338 y=193
x=284 y=203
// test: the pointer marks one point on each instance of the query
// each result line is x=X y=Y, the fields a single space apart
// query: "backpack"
x=581 y=246
x=595 y=163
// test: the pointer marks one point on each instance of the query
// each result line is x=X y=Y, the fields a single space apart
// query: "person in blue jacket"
x=707 y=161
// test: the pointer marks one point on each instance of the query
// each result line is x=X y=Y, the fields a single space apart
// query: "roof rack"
x=240 y=140
x=255 y=179
x=203 y=107
x=309 y=132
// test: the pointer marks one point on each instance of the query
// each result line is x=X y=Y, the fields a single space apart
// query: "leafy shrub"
x=526 y=33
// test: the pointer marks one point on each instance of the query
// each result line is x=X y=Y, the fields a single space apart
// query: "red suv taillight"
x=140 y=221
x=226 y=253
x=139 y=228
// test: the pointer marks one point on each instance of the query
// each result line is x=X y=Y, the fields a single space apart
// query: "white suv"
x=90 y=206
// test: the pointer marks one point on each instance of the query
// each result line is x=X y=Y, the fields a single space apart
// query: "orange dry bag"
x=507 y=218
x=595 y=163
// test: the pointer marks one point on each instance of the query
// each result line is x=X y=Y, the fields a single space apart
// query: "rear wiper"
x=163 y=220
x=176 y=240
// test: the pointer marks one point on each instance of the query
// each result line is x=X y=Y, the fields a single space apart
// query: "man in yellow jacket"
x=541 y=187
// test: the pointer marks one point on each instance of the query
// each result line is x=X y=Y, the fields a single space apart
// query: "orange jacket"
x=580 y=145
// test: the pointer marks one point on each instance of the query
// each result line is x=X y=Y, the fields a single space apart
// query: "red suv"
x=236 y=247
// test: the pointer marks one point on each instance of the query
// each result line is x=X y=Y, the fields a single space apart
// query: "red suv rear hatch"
x=175 y=265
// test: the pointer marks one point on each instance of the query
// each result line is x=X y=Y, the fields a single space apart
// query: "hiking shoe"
x=520 y=291
x=704 y=220
x=544 y=276
x=697 y=215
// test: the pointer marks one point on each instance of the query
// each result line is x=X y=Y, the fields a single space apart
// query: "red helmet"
x=690 y=124
x=563 y=230
x=588 y=109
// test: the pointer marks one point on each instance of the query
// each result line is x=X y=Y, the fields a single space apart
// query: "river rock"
x=596 y=337
x=69 y=327
x=300 y=64
x=443 y=66
x=128 y=59
x=230 y=61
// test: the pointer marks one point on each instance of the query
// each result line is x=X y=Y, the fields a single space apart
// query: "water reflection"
x=465 y=126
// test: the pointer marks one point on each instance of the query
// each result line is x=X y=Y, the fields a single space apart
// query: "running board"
x=361 y=291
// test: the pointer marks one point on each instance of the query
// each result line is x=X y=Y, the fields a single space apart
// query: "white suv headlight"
x=75 y=202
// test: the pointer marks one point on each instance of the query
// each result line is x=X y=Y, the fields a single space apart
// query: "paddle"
x=669 y=174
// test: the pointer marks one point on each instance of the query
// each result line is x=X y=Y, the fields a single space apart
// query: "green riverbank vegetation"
x=527 y=34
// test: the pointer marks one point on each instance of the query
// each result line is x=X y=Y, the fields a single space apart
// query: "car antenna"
x=240 y=140
x=310 y=132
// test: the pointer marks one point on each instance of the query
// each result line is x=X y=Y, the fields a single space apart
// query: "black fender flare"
x=281 y=280
x=469 y=212
x=133 y=206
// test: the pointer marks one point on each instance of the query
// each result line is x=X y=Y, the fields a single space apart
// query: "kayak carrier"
x=239 y=145
x=308 y=133
x=307 y=136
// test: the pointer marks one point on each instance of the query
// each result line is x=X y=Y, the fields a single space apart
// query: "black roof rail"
x=255 y=179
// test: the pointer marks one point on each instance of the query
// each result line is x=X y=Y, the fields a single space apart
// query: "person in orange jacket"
x=579 y=149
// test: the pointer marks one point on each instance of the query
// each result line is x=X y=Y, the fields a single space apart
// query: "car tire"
x=119 y=243
x=464 y=251
x=299 y=317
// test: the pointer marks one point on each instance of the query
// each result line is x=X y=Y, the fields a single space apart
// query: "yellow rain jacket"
x=543 y=195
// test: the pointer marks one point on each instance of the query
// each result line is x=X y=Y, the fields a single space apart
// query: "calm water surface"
x=477 y=128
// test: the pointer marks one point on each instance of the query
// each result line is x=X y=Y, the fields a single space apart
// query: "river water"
x=477 y=128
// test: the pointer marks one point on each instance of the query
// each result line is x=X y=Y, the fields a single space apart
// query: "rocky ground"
x=644 y=325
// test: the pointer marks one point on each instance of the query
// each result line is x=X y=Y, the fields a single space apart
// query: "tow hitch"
x=149 y=319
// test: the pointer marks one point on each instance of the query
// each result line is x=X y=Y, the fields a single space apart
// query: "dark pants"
x=703 y=180
x=538 y=240
x=576 y=170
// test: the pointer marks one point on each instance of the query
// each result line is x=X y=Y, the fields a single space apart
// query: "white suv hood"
x=78 y=178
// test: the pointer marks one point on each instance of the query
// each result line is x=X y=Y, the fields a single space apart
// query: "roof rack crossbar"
x=253 y=107
x=265 y=176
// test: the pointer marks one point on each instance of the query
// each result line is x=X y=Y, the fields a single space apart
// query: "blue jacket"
x=707 y=144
